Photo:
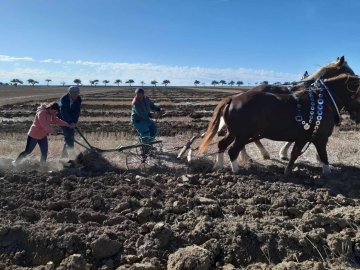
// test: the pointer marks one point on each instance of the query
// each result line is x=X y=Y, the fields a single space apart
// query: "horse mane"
x=322 y=70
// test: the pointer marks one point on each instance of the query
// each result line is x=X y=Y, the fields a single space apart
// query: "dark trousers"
x=69 y=136
x=30 y=145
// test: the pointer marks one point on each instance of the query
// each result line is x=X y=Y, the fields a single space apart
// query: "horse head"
x=333 y=69
x=354 y=105
x=346 y=91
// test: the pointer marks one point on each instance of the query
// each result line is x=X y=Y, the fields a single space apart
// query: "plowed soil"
x=93 y=214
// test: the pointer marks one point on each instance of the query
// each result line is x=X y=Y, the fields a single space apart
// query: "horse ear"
x=341 y=60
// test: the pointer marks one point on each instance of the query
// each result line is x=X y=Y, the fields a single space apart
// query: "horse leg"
x=295 y=153
x=322 y=153
x=283 y=153
x=262 y=150
x=222 y=145
x=244 y=157
x=234 y=153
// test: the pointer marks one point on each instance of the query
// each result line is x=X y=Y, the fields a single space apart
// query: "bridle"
x=347 y=85
x=331 y=97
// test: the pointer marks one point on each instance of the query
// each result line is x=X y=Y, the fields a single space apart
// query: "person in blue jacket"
x=70 y=106
x=141 y=114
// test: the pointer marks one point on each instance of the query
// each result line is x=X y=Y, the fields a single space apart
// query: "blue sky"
x=178 y=40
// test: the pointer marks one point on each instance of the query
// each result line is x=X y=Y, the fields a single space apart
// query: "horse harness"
x=316 y=93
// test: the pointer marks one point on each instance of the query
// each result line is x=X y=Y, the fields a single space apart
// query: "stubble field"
x=95 y=214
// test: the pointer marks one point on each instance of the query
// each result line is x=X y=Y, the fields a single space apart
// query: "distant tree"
x=63 y=83
x=142 y=83
x=1 y=83
x=77 y=81
x=165 y=82
x=213 y=83
x=94 y=82
x=15 y=82
x=196 y=82
x=239 y=83
x=231 y=83
x=105 y=82
x=222 y=82
x=47 y=80
x=130 y=82
x=264 y=82
x=287 y=82
x=32 y=82
x=154 y=82
x=118 y=82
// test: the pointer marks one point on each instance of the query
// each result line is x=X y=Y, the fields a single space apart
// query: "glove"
x=150 y=115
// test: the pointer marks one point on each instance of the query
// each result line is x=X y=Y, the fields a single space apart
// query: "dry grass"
x=12 y=144
x=343 y=147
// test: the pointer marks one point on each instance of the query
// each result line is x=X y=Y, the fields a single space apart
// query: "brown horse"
x=306 y=116
x=332 y=69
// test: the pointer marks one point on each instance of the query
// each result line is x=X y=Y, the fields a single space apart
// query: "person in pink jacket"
x=40 y=129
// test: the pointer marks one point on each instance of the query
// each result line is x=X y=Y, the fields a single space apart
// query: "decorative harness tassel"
x=315 y=89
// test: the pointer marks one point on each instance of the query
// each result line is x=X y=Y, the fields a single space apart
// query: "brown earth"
x=93 y=215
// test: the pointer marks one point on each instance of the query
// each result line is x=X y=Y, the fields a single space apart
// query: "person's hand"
x=73 y=125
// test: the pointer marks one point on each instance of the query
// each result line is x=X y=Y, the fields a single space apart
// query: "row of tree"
x=16 y=82
x=32 y=82
x=223 y=82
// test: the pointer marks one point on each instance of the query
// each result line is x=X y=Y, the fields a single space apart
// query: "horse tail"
x=213 y=126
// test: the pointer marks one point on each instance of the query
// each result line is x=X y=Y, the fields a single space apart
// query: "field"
x=95 y=214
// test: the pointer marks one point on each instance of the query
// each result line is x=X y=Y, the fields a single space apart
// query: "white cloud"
x=51 y=61
x=178 y=75
x=6 y=58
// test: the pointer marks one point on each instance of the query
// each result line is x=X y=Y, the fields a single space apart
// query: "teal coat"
x=141 y=109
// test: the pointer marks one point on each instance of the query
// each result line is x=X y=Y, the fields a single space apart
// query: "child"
x=39 y=130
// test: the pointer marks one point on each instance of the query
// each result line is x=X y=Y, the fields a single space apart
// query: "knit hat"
x=74 y=90
x=139 y=91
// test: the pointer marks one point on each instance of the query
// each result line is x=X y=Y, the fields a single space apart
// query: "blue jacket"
x=141 y=109
x=69 y=113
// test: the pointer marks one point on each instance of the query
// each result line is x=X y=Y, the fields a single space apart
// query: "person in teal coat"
x=141 y=116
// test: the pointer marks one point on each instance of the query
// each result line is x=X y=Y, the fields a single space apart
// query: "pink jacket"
x=40 y=128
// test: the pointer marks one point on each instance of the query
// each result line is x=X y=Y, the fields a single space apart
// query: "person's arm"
x=153 y=106
x=76 y=112
x=45 y=123
x=56 y=120
x=65 y=109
